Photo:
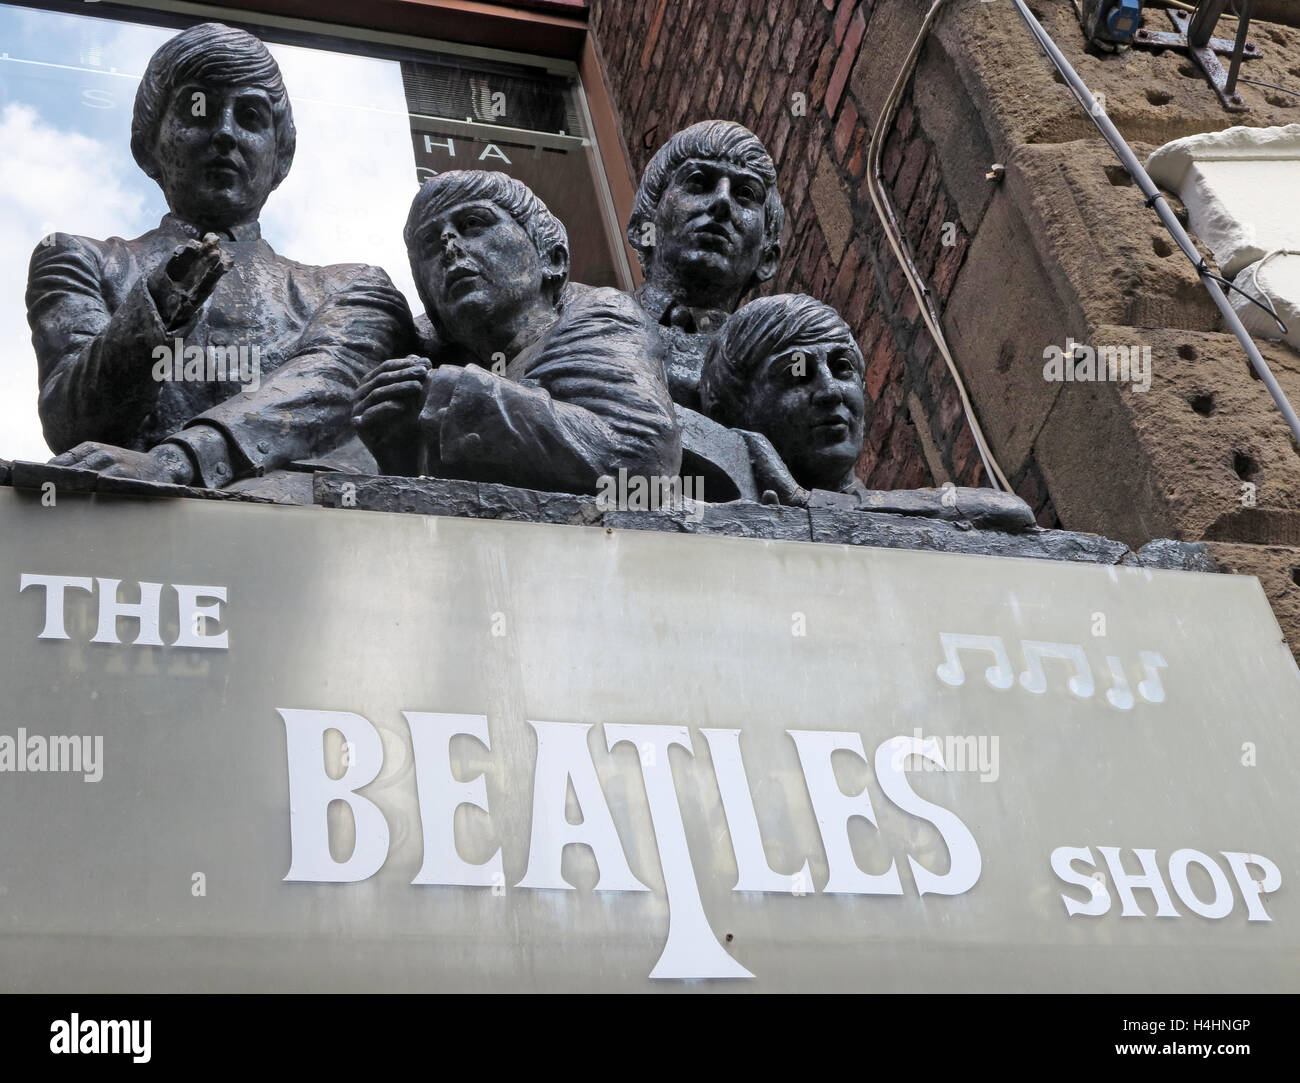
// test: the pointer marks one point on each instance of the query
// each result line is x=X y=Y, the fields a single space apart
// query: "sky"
x=67 y=85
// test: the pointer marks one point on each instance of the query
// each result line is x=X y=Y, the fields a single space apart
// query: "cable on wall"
x=889 y=221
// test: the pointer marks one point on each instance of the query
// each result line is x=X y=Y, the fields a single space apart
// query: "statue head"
x=707 y=219
x=213 y=126
x=788 y=367
x=483 y=249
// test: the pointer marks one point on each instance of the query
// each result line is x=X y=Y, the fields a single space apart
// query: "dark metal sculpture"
x=522 y=378
x=706 y=225
x=786 y=371
x=788 y=367
x=195 y=353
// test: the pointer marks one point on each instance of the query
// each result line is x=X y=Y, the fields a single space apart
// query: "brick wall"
x=792 y=71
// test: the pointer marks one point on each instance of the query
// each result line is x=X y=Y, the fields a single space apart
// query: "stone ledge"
x=745 y=519
x=737 y=519
x=25 y=475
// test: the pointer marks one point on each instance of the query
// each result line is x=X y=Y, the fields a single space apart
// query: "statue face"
x=476 y=266
x=709 y=224
x=217 y=153
x=809 y=401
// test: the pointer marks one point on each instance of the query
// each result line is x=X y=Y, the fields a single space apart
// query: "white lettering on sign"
x=564 y=760
x=1266 y=879
x=192 y=615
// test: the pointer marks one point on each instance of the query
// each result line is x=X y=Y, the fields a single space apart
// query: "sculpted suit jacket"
x=318 y=331
x=585 y=399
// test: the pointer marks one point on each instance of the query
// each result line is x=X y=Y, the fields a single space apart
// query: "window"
x=375 y=114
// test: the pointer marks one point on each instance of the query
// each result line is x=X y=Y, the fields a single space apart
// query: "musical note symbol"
x=1035 y=680
x=999 y=675
x=1151 y=688
x=1120 y=695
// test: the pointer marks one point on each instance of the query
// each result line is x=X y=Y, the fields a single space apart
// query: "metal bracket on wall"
x=1192 y=33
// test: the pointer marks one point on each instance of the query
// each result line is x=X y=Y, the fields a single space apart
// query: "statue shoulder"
x=603 y=301
x=337 y=276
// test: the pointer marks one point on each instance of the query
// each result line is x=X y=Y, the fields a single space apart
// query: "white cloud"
x=353 y=177
x=345 y=199
x=49 y=179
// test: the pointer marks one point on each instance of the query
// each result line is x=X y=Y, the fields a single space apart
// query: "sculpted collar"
x=245 y=231
x=670 y=312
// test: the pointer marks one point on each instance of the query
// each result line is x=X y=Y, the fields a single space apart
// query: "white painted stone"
x=1278 y=280
x=1240 y=188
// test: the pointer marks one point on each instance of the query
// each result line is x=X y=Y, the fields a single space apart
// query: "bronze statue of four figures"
x=512 y=374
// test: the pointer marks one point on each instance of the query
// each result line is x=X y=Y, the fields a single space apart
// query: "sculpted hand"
x=166 y=462
x=181 y=285
x=775 y=482
x=438 y=394
x=385 y=410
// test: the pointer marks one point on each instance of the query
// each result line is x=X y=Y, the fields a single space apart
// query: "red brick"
x=885 y=475
x=777 y=146
x=886 y=408
x=857 y=163
x=743 y=42
x=842 y=18
x=910 y=311
x=870 y=334
x=878 y=367
x=937 y=380
x=866 y=462
x=800 y=187
x=777 y=40
x=923 y=200
x=897 y=285
x=756 y=54
x=1031 y=489
x=821 y=76
x=927 y=249
x=844 y=63
x=715 y=94
x=701 y=41
x=816 y=143
x=962 y=449
x=850 y=263
x=844 y=129
x=794 y=45
x=916 y=474
x=903 y=123
x=652 y=38
x=949 y=264
x=891 y=158
x=861 y=295
x=949 y=408
x=909 y=173
x=761 y=86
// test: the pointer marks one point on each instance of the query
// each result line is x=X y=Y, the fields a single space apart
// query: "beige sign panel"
x=250 y=747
